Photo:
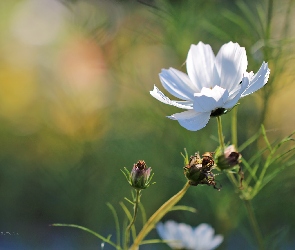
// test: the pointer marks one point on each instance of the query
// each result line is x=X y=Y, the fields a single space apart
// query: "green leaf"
x=131 y=202
x=185 y=157
x=117 y=224
x=272 y=175
x=143 y=213
x=251 y=171
x=249 y=141
x=238 y=20
x=218 y=32
x=106 y=240
x=251 y=18
x=129 y=216
x=281 y=155
x=183 y=208
x=257 y=157
x=265 y=138
x=155 y=241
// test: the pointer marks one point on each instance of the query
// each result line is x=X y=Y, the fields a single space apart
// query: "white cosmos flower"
x=213 y=84
x=183 y=236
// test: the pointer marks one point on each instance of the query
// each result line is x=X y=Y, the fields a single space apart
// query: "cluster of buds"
x=199 y=170
x=140 y=176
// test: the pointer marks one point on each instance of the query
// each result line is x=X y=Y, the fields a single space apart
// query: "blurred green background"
x=75 y=108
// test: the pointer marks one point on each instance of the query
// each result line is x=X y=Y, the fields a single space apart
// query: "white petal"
x=161 y=230
x=186 y=235
x=191 y=120
x=169 y=231
x=210 y=99
x=235 y=97
x=231 y=64
x=258 y=80
x=156 y=93
x=177 y=83
x=204 y=233
x=216 y=241
x=200 y=66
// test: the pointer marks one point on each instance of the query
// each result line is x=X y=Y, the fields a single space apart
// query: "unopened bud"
x=229 y=159
x=140 y=175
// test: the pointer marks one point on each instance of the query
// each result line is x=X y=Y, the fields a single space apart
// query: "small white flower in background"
x=213 y=84
x=183 y=236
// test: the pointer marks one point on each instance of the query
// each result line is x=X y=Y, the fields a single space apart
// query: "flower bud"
x=199 y=170
x=229 y=159
x=193 y=171
x=140 y=175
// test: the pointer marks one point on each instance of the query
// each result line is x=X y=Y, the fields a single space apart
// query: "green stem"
x=234 y=127
x=267 y=34
x=267 y=92
x=254 y=224
x=269 y=18
x=287 y=20
x=232 y=179
x=221 y=142
x=127 y=233
x=158 y=215
x=220 y=134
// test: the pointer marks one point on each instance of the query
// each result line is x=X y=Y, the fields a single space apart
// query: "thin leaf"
x=107 y=240
x=269 y=177
x=117 y=224
x=183 y=208
x=265 y=138
x=250 y=170
x=156 y=241
x=276 y=239
x=124 y=226
x=256 y=166
x=127 y=174
x=261 y=16
x=143 y=213
x=250 y=17
x=218 y=32
x=185 y=157
x=257 y=157
x=281 y=155
x=238 y=20
x=249 y=141
x=131 y=202
x=129 y=216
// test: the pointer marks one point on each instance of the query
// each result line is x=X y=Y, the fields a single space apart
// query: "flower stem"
x=220 y=134
x=254 y=223
x=158 y=215
x=127 y=233
x=221 y=142
x=234 y=127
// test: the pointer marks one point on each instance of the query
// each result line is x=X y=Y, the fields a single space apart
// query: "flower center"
x=218 y=112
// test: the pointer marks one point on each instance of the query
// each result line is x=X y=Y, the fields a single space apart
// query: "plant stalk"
x=234 y=127
x=220 y=134
x=221 y=143
x=158 y=215
x=127 y=233
x=254 y=224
